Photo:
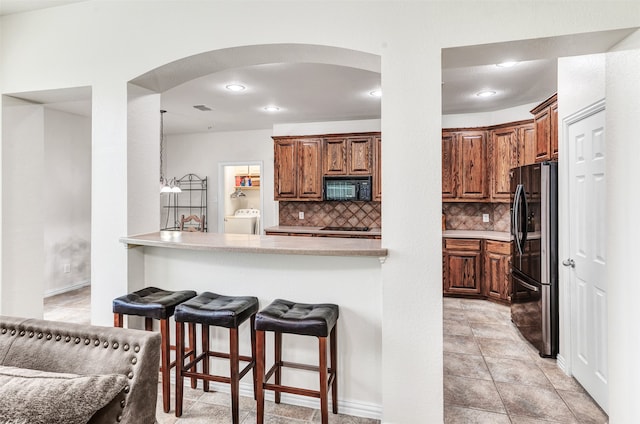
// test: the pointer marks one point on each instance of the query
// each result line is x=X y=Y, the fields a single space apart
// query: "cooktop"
x=345 y=228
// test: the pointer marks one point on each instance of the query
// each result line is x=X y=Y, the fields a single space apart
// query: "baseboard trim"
x=562 y=363
x=66 y=289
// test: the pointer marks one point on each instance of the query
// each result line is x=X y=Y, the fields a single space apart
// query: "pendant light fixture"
x=166 y=186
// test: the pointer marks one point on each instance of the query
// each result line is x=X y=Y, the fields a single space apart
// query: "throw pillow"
x=40 y=397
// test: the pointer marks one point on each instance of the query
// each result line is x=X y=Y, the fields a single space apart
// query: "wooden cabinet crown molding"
x=545 y=103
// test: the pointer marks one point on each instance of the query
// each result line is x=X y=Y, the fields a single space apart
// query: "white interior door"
x=587 y=190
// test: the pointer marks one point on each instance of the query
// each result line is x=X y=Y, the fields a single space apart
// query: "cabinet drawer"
x=462 y=244
x=501 y=247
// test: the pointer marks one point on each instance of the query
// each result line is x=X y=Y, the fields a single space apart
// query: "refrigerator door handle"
x=516 y=218
x=528 y=286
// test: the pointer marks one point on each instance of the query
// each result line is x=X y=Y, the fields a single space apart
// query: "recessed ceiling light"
x=486 y=93
x=235 y=87
x=271 y=108
x=507 y=64
x=376 y=93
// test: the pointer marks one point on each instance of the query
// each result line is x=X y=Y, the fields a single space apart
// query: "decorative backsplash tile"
x=468 y=216
x=338 y=214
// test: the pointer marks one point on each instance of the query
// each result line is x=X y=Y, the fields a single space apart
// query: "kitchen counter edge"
x=475 y=234
x=249 y=243
x=299 y=229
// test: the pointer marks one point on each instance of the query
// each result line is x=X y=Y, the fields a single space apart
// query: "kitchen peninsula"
x=347 y=272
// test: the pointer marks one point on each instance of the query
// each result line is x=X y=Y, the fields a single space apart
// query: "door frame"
x=222 y=196
x=564 y=242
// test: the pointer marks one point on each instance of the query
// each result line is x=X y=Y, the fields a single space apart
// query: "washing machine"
x=243 y=221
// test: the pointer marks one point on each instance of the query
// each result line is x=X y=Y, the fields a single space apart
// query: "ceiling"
x=308 y=92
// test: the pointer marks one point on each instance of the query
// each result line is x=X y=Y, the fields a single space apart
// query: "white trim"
x=564 y=251
x=66 y=289
x=221 y=194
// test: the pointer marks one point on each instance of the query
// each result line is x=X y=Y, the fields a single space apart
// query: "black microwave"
x=347 y=188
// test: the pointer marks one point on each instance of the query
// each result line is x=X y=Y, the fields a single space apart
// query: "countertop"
x=484 y=235
x=250 y=243
x=319 y=230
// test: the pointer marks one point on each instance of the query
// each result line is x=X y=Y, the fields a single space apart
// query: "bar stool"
x=210 y=309
x=154 y=303
x=319 y=320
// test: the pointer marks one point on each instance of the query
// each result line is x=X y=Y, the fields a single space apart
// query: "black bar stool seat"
x=154 y=303
x=318 y=320
x=211 y=309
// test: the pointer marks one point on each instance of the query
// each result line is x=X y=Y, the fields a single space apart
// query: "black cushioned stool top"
x=151 y=302
x=283 y=316
x=217 y=310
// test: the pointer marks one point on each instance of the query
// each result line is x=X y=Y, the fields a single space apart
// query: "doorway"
x=241 y=202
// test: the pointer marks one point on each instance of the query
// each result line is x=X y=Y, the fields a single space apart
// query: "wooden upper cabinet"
x=546 y=128
x=359 y=155
x=297 y=169
x=504 y=156
x=465 y=171
x=526 y=144
x=473 y=169
x=377 y=169
x=449 y=166
x=310 y=169
x=554 y=130
x=285 y=169
x=335 y=156
x=348 y=156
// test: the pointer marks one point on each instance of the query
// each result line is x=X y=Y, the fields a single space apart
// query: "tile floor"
x=486 y=380
x=198 y=407
x=493 y=376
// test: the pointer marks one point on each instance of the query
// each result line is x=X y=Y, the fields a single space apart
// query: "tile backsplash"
x=468 y=216
x=339 y=214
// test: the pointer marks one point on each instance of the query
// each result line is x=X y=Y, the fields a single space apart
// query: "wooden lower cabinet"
x=497 y=270
x=462 y=267
x=477 y=268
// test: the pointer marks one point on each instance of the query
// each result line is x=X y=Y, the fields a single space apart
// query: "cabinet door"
x=285 y=169
x=310 y=169
x=335 y=156
x=359 y=156
x=377 y=169
x=526 y=145
x=554 y=131
x=497 y=270
x=504 y=156
x=449 y=166
x=542 y=122
x=462 y=272
x=473 y=165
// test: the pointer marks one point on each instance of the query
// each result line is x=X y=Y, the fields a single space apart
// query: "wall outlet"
x=66 y=268
x=485 y=217
x=300 y=215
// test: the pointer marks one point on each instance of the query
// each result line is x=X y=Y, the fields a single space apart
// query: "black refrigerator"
x=534 y=254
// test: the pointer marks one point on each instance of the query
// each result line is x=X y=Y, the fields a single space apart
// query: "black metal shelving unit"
x=191 y=201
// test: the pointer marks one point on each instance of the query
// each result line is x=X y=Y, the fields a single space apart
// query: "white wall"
x=353 y=283
x=67 y=196
x=23 y=204
x=485 y=119
x=623 y=173
x=201 y=153
x=77 y=45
